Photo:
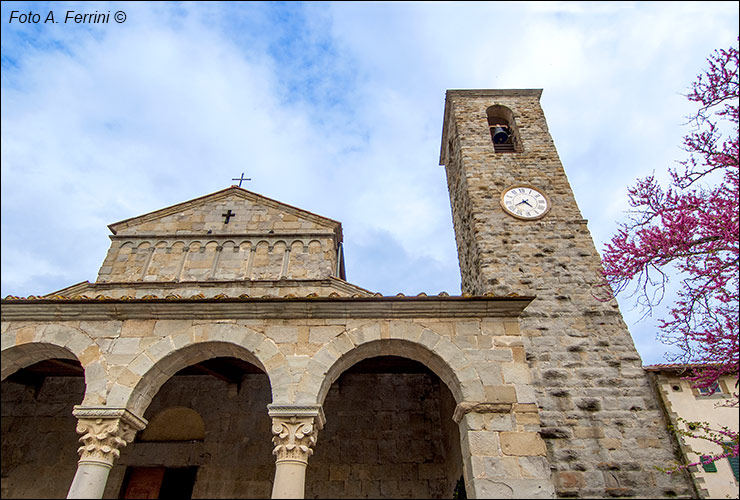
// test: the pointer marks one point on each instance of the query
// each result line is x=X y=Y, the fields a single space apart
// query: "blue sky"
x=332 y=107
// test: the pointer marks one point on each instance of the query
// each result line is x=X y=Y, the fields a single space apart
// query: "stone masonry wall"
x=388 y=442
x=603 y=429
x=39 y=442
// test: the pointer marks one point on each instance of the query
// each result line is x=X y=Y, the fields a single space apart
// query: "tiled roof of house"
x=674 y=367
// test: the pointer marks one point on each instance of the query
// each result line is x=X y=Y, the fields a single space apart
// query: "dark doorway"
x=159 y=482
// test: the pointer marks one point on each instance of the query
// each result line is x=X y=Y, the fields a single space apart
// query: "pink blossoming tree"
x=689 y=231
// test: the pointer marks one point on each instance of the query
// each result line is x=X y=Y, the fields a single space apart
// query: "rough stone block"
x=588 y=432
x=500 y=393
x=324 y=334
x=500 y=467
x=405 y=330
x=126 y=346
x=280 y=334
x=569 y=480
x=90 y=355
x=484 y=443
x=511 y=328
x=522 y=443
x=534 y=467
x=518 y=373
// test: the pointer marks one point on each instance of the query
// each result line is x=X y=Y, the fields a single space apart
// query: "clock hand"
x=525 y=202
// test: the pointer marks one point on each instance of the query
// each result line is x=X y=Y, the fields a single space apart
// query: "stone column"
x=104 y=431
x=250 y=262
x=294 y=430
x=214 y=265
x=181 y=265
x=148 y=262
x=286 y=260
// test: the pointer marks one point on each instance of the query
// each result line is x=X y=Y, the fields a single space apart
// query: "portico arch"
x=20 y=356
x=31 y=344
x=406 y=339
x=41 y=383
x=162 y=360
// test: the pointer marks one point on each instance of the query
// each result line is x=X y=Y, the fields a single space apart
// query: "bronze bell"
x=500 y=134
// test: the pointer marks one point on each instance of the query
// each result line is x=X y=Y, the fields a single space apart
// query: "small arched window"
x=503 y=129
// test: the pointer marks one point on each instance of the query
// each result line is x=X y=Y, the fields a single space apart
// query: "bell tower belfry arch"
x=519 y=232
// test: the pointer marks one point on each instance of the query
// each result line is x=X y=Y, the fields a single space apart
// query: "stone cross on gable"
x=228 y=216
x=242 y=179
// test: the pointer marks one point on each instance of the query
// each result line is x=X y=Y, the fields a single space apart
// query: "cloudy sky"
x=332 y=107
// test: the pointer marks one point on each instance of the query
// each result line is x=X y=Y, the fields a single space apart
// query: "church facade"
x=222 y=354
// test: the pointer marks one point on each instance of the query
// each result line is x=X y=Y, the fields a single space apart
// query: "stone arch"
x=39 y=440
x=56 y=341
x=407 y=339
x=139 y=383
x=501 y=115
x=298 y=245
x=17 y=357
x=194 y=245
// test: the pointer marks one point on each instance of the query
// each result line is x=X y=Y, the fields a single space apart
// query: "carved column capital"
x=104 y=432
x=295 y=430
x=293 y=438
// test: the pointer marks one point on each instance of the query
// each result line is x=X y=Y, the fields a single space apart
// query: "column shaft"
x=90 y=480
x=290 y=479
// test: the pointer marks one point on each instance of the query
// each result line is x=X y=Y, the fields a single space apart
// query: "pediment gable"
x=231 y=211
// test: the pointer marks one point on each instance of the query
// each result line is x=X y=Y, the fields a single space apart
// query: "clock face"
x=525 y=202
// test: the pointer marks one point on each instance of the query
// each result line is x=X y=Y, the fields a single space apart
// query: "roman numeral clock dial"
x=525 y=202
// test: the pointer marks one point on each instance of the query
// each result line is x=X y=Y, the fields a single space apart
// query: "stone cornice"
x=108 y=412
x=300 y=411
x=494 y=92
x=262 y=308
x=99 y=287
x=221 y=236
x=218 y=195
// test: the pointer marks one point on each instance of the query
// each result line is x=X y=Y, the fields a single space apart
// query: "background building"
x=718 y=479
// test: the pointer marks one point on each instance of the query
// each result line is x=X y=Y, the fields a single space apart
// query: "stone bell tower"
x=520 y=232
